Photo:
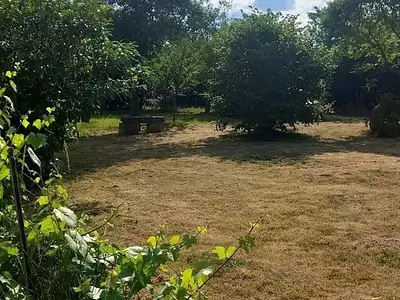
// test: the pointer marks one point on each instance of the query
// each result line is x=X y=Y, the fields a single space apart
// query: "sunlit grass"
x=108 y=122
x=100 y=125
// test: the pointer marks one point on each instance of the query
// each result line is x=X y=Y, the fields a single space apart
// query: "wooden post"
x=22 y=236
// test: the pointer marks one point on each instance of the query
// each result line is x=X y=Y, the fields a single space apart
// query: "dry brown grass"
x=330 y=203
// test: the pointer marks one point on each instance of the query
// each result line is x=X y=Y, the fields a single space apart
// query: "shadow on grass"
x=344 y=119
x=94 y=208
x=99 y=152
x=183 y=120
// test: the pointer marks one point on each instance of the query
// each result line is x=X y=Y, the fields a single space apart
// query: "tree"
x=265 y=74
x=66 y=60
x=151 y=23
x=365 y=37
x=363 y=28
x=177 y=68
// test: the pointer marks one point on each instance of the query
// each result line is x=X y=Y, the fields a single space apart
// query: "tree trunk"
x=174 y=109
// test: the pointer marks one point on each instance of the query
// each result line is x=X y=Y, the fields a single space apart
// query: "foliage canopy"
x=265 y=73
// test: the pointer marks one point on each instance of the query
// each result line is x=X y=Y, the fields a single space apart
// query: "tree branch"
x=225 y=262
x=104 y=223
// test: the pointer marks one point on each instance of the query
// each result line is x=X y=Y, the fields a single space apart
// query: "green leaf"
x=94 y=293
x=43 y=200
x=230 y=251
x=220 y=251
x=37 y=124
x=202 y=229
x=135 y=251
x=152 y=241
x=246 y=243
x=112 y=295
x=186 y=277
x=25 y=122
x=4 y=149
x=84 y=287
x=176 y=239
x=18 y=140
x=27 y=224
x=11 y=106
x=189 y=240
x=254 y=224
x=13 y=85
x=34 y=158
x=1 y=191
x=36 y=140
x=50 y=109
x=13 y=251
x=62 y=191
x=9 y=74
x=181 y=294
x=48 y=225
x=66 y=215
x=31 y=236
x=204 y=270
x=78 y=244
x=4 y=172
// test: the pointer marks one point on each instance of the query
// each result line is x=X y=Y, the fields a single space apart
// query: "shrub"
x=265 y=74
x=385 y=120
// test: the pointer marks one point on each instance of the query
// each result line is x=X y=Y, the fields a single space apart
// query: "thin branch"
x=104 y=223
x=225 y=262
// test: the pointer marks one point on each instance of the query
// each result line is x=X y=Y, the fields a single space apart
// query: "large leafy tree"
x=364 y=28
x=66 y=59
x=264 y=72
x=178 y=68
x=365 y=37
x=150 y=23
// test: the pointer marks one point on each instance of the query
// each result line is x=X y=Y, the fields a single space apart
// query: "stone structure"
x=130 y=125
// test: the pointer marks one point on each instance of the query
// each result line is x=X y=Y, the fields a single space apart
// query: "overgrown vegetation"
x=64 y=61
x=49 y=254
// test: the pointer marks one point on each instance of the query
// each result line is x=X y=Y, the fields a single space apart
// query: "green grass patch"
x=108 y=122
x=98 y=125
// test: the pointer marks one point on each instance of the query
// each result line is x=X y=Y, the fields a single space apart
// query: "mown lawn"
x=329 y=199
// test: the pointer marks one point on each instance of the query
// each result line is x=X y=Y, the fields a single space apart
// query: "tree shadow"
x=344 y=119
x=94 y=153
x=94 y=208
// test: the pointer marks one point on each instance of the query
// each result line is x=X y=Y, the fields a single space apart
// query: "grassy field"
x=329 y=199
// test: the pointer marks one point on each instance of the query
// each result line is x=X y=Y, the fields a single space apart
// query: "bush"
x=265 y=74
x=385 y=120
